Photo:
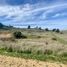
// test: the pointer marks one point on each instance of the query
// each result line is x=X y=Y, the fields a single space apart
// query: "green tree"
x=57 y=30
x=54 y=30
x=40 y=28
x=29 y=26
x=46 y=29
x=1 y=25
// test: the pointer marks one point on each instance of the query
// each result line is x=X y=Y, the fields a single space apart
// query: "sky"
x=43 y=13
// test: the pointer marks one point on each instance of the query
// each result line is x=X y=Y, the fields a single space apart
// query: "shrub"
x=10 y=49
x=39 y=52
x=38 y=36
x=48 y=52
x=61 y=32
x=46 y=43
x=64 y=54
x=54 y=39
x=19 y=51
x=19 y=35
x=27 y=51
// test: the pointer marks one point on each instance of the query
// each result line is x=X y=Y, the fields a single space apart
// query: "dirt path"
x=18 y=62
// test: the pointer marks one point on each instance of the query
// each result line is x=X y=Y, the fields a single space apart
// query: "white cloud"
x=28 y=12
x=51 y=7
x=59 y=15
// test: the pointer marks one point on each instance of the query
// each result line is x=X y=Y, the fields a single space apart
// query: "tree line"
x=46 y=29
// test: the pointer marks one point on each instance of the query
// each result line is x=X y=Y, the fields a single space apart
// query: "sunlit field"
x=38 y=44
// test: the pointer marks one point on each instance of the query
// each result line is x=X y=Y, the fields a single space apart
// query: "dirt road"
x=18 y=62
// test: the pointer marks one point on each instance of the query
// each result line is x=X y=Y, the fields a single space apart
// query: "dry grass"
x=5 y=36
x=38 y=42
x=34 y=43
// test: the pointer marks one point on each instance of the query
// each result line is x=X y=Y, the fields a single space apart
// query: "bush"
x=48 y=52
x=46 y=43
x=64 y=54
x=61 y=32
x=38 y=36
x=39 y=52
x=27 y=51
x=54 y=39
x=19 y=35
x=10 y=49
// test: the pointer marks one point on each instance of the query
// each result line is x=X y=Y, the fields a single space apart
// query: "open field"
x=39 y=44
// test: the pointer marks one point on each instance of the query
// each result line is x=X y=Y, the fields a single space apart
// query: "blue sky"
x=44 y=13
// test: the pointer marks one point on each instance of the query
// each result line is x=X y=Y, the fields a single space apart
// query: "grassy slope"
x=37 y=43
x=59 y=38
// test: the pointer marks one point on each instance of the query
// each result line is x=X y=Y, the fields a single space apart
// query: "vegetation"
x=57 y=30
x=29 y=26
x=54 y=39
x=46 y=29
x=1 y=25
x=4 y=27
x=40 y=45
x=18 y=35
x=47 y=56
x=9 y=49
x=54 y=30
x=40 y=28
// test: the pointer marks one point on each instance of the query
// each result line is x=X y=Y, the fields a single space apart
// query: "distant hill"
x=2 y=26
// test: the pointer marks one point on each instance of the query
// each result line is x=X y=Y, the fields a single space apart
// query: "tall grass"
x=39 y=45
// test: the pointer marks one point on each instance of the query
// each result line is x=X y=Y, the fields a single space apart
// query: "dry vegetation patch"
x=5 y=36
x=46 y=46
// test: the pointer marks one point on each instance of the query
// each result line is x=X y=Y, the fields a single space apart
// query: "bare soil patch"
x=19 y=62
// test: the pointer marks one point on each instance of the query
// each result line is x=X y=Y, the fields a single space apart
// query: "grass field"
x=39 y=44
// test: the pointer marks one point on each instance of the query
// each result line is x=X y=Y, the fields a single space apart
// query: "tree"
x=40 y=28
x=1 y=25
x=57 y=30
x=36 y=27
x=54 y=30
x=46 y=29
x=29 y=26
